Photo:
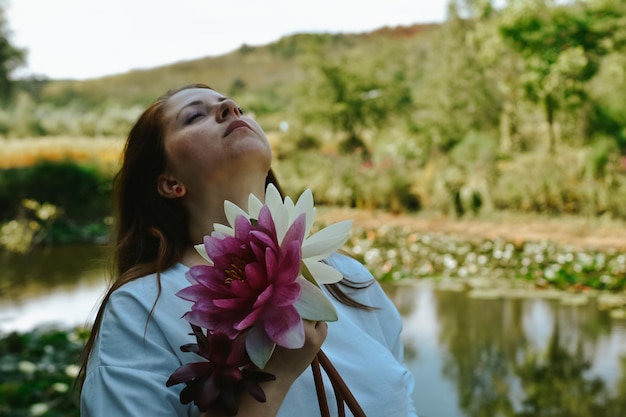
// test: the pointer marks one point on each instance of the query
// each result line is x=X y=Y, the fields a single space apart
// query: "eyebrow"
x=196 y=103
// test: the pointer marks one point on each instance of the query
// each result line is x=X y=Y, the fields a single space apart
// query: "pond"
x=471 y=356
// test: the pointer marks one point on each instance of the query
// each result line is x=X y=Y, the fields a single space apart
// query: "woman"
x=188 y=152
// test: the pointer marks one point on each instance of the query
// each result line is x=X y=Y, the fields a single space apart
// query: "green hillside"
x=270 y=71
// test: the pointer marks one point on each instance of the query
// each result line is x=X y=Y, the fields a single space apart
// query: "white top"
x=131 y=360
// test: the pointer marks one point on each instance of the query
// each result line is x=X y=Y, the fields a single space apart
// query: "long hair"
x=150 y=233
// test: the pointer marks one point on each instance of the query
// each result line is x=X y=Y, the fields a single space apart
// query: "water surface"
x=471 y=357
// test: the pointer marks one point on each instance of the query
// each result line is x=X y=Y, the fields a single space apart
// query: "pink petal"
x=286 y=295
x=296 y=230
x=230 y=303
x=266 y=222
x=265 y=297
x=242 y=227
x=284 y=326
x=289 y=267
x=250 y=319
x=256 y=275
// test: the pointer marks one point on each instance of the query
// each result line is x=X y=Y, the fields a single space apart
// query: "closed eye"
x=192 y=116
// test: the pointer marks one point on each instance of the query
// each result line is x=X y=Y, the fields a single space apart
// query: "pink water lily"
x=315 y=248
x=254 y=286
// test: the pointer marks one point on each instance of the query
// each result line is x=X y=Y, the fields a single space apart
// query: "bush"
x=80 y=191
x=74 y=201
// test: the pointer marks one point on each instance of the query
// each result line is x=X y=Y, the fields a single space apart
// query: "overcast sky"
x=91 y=38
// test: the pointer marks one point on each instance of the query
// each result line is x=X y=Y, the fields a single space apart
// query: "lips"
x=235 y=125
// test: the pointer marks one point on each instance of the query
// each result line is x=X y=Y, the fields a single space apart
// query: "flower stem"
x=340 y=385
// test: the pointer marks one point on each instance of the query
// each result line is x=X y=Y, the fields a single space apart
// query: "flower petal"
x=220 y=228
x=321 y=272
x=254 y=206
x=274 y=203
x=305 y=205
x=232 y=210
x=259 y=346
x=190 y=371
x=295 y=231
x=314 y=304
x=326 y=241
x=202 y=251
x=284 y=327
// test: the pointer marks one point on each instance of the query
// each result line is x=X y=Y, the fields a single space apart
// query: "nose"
x=227 y=108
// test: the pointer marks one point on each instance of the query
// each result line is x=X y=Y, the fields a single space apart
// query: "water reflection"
x=471 y=357
x=511 y=357
x=52 y=286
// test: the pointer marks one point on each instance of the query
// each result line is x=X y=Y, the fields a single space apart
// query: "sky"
x=82 y=39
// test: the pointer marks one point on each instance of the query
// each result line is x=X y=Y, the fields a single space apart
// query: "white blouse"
x=133 y=357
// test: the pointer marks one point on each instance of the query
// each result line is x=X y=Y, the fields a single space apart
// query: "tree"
x=459 y=93
x=11 y=58
x=562 y=47
x=359 y=96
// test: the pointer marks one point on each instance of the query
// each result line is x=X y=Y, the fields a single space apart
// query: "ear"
x=169 y=187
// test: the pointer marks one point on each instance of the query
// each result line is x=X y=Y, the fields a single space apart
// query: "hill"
x=264 y=71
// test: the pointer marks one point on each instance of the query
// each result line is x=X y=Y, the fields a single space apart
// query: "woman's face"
x=208 y=140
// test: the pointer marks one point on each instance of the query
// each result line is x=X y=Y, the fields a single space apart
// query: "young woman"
x=188 y=152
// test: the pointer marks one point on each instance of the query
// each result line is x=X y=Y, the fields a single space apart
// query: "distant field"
x=23 y=152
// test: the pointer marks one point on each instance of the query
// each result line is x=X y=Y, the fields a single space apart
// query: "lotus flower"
x=315 y=248
x=216 y=384
x=254 y=286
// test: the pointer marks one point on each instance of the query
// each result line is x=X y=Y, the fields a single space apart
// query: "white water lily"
x=315 y=248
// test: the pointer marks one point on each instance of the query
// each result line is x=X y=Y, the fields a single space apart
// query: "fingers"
x=315 y=332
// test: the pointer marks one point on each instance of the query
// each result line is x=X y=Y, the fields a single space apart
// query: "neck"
x=206 y=209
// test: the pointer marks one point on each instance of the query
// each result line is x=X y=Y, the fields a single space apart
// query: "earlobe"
x=169 y=187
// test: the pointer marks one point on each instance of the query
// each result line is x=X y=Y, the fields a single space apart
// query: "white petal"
x=259 y=346
x=290 y=207
x=314 y=304
x=326 y=241
x=322 y=273
x=220 y=228
x=279 y=213
x=305 y=205
x=232 y=210
x=272 y=196
x=200 y=249
x=254 y=206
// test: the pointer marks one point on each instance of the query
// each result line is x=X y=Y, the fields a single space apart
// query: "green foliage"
x=79 y=197
x=11 y=58
x=38 y=372
x=357 y=101
x=385 y=183
x=562 y=48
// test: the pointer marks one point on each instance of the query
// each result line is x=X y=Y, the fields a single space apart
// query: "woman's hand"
x=286 y=365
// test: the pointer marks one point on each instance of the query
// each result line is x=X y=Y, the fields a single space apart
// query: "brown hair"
x=151 y=233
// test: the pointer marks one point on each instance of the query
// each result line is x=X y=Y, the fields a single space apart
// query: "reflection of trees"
x=498 y=371
x=616 y=406
x=478 y=354
x=556 y=384
x=46 y=268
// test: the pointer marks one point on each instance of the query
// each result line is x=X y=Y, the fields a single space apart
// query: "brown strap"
x=319 y=387
x=341 y=389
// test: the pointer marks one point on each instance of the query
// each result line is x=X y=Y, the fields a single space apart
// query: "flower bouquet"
x=263 y=277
